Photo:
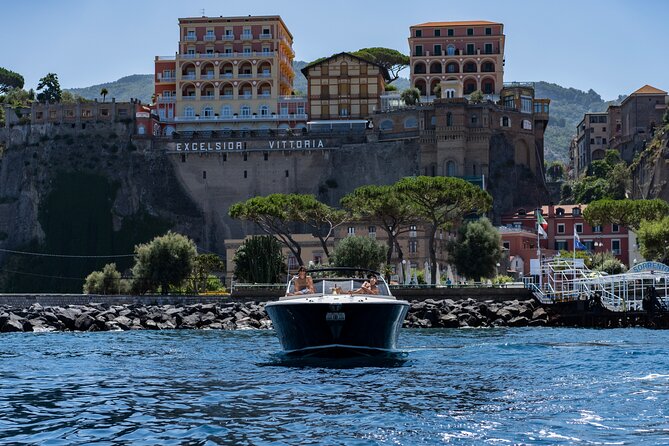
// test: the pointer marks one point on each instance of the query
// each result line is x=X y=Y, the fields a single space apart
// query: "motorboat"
x=339 y=316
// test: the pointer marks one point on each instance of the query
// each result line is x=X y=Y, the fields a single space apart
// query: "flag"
x=540 y=219
x=542 y=233
x=577 y=242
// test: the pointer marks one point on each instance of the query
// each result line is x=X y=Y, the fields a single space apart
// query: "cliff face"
x=93 y=192
x=650 y=171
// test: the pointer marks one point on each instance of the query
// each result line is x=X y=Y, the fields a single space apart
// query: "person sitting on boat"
x=303 y=284
x=368 y=287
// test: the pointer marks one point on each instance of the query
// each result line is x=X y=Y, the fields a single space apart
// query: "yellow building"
x=344 y=86
x=230 y=73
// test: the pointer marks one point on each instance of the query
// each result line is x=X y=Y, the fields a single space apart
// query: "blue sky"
x=613 y=47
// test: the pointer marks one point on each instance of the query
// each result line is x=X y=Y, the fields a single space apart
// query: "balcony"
x=188 y=77
x=266 y=36
x=246 y=95
x=167 y=79
x=245 y=75
x=167 y=100
x=265 y=74
x=190 y=38
x=246 y=36
x=228 y=37
x=208 y=76
x=283 y=117
x=227 y=96
x=209 y=38
x=292 y=99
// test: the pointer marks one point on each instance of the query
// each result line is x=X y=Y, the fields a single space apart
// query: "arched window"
x=469 y=67
x=207 y=112
x=451 y=171
x=225 y=111
x=419 y=68
x=435 y=67
x=189 y=112
x=452 y=67
x=264 y=110
x=450 y=50
x=449 y=119
x=386 y=125
x=410 y=123
x=245 y=111
x=450 y=93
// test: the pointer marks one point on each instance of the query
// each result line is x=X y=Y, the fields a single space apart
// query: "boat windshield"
x=340 y=285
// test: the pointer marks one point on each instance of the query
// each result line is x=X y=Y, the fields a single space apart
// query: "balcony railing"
x=266 y=35
x=225 y=55
x=264 y=74
x=227 y=96
x=245 y=75
x=209 y=37
x=191 y=38
x=189 y=77
x=167 y=100
x=208 y=76
x=246 y=36
x=284 y=117
x=228 y=37
x=167 y=79
x=292 y=99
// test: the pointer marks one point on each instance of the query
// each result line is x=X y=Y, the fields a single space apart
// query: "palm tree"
x=104 y=94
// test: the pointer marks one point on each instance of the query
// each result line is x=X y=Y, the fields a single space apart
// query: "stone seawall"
x=251 y=315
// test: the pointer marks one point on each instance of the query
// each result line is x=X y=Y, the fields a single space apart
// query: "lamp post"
x=497 y=269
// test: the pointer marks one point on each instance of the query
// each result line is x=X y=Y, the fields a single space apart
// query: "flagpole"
x=541 y=268
x=574 y=243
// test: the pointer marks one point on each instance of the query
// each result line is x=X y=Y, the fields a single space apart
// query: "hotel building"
x=592 y=141
x=468 y=55
x=230 y=73
x=344 y=86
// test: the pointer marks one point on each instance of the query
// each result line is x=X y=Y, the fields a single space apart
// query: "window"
x=266 y=156
x=488 y=48
x=419 y=33
x=372 y=231
x=449 y=119
x=560 y=228
x=509 y=102
x=470 y=31
x=449 y=32
x=287 y=174
x=506 y=245
x=264 y=110
x=208 y=112
x=488 y=31
x=576 y=212
x=245 y=111
x=411 y=123
x=351 y=230
x=506 y=122
x=615 y=228
x=597 y=228
x=437 y=33
x=225 y=111
x=578 y=227
x=413 y=246
x=592 y=140
x=204 y=174
x=475 y=120
x=527 y=124
x=246 y=175
x=189 y=112
x=603 y=140
x=615 y=247
x=413 y=230
x=450 y=49
x=561 y=245
x=471 y=48
x=419 y=50
x=526 y=104
x=437 y=50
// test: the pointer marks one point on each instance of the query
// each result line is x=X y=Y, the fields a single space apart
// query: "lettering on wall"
x=217 y=146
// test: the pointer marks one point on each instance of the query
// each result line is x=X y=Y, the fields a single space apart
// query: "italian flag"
x=543 y=223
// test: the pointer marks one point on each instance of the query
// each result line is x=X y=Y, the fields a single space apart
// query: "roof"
x=384 y=70
x=648 y=89
x=463 y=23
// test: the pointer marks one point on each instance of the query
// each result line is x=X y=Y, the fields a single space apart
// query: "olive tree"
x=163 y=262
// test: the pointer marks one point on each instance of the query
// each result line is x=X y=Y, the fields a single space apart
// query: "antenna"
x=202 y=12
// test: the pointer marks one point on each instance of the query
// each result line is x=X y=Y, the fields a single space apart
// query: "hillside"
x=139 y=86
x=567 y=104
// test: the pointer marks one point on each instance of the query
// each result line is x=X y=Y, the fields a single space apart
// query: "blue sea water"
x=491 y=386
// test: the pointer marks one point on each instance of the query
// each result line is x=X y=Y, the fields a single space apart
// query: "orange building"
x=467 y=56
x=229 y=73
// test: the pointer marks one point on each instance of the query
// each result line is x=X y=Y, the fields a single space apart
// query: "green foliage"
x=653 y=237
x=410 y=96
x=608 y=178
x=259 y=260
x=607 y=262
x=107 y=281
x=163 y=262
x=359 y=252
x=555 y=171
x=590 y=189
x=501 y=279
x=628 y=213
x=203 y=266
x=392 y=60
x=138 y=86
x=441 y=202
x=665 y=118
x=277 y=213
x=49 y=89
x=579 y=254
x=10 y=80
x=384 y=206
x=476 y=250
x=390 y=87
x=476 y=97
x=104 y=92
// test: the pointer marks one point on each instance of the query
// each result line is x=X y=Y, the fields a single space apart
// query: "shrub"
x=359 y=252
x=107 y=281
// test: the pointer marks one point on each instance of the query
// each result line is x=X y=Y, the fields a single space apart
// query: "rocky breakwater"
x=448 y=313
x=102 y=317
x=445 y=313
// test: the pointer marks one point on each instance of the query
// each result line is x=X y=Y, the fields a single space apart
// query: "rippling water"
x=492 y=386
